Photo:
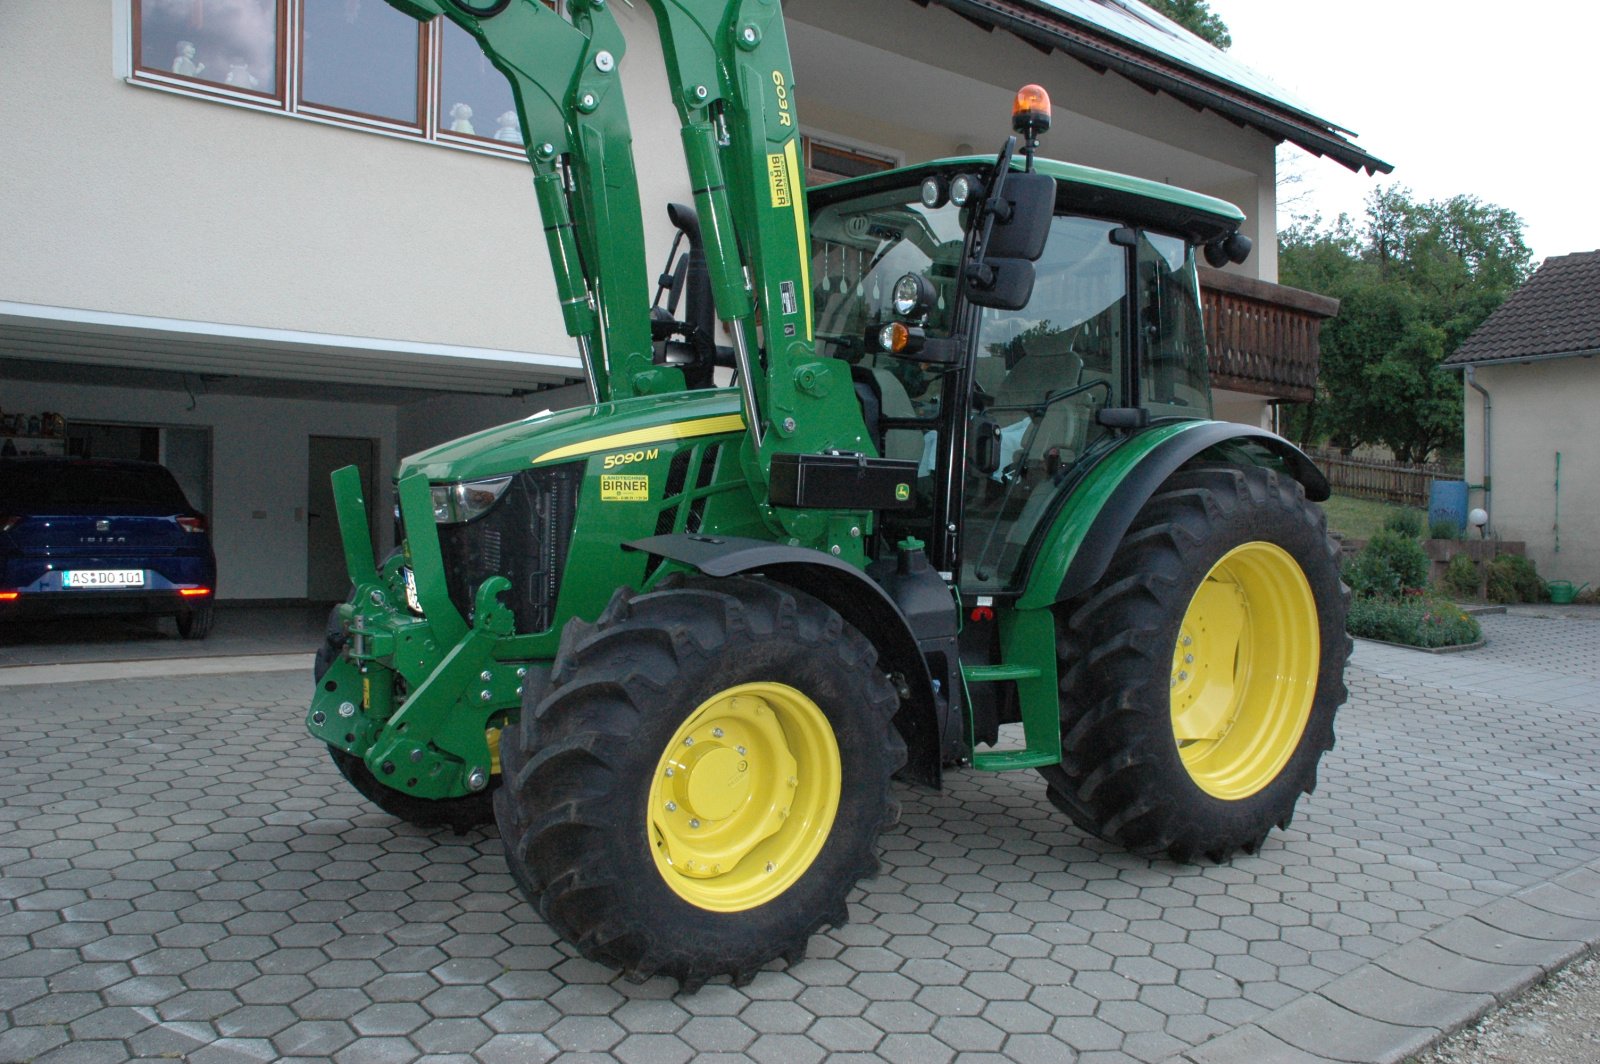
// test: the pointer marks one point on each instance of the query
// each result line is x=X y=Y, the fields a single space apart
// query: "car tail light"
x=8 y=596
x=192 y=524
x=193 y=592
x=9 y=521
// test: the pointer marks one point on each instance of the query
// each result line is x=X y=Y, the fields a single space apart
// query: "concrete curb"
x=158 y=668
x=1408 y=999
x=1478 y=645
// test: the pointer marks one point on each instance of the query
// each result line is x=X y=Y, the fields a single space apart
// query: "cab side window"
x=1039 y=376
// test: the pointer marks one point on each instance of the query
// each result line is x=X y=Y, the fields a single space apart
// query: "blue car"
x=97 y=536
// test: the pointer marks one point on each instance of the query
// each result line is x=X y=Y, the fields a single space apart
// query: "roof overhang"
x=1512 y=360
x=1049 y=30
x=100 y=338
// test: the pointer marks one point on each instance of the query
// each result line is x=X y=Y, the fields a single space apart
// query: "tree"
x=1197 y=17
x=1413 y=280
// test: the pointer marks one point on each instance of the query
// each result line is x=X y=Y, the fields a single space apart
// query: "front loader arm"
x=564 y=78
x=732 y=81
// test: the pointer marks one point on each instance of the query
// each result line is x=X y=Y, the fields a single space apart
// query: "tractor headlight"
x=912 y=296
x=964 y=188
x=455 y=503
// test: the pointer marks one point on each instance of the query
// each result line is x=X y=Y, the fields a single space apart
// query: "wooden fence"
x=1376 y=478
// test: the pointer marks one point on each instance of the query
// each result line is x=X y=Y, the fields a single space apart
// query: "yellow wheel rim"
x=744 y=797
x=1244 y=670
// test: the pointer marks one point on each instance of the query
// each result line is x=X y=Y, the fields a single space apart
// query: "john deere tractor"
x=927 y=454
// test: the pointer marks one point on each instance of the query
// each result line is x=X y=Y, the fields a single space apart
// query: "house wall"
x=259 y=465
x=127 y=199
x=1538 y=410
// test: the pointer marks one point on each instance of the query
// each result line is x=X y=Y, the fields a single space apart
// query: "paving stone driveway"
x=185 y=876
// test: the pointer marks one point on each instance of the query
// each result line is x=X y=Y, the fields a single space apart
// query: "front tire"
x=1200 y=678
x=703 y=779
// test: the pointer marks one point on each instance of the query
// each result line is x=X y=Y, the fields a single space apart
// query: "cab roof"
x=1083 y=189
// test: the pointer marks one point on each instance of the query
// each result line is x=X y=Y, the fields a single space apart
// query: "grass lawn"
x=1358 y=518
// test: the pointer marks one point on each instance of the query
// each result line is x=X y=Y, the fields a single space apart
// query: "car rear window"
x=26 y=486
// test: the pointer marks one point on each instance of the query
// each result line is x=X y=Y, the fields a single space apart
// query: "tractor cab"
x=1003 y=408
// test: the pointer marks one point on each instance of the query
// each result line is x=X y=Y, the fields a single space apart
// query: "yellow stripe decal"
x=677 y=430
x=804 y=246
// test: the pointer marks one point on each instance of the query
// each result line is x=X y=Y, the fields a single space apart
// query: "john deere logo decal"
x=902 y=492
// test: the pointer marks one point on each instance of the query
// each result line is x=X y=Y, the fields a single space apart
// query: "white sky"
x=1499 y=101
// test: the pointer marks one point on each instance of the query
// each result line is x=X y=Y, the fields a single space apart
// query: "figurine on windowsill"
x=461 y=119
x=184 y=62
x=510 y=129
x=239 y=75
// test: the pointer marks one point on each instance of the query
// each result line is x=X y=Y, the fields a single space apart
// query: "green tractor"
x=959 y=476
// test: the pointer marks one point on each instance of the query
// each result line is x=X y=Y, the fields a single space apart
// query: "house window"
x=827 y=162
x=234 y=47
x=474 y=98
x=361 y=57
x=351 y=62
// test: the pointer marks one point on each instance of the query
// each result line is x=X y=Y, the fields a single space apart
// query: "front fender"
x=1080 y=541
x=857 y=598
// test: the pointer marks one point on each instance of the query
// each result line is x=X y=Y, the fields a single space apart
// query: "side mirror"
x=1003 y=284
x=984 y=448
x=1022 y=219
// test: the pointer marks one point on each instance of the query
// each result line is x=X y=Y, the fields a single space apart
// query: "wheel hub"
x=1244 y=669
x=744 y=796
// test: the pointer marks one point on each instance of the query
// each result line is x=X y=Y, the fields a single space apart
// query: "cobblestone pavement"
x=184 y=875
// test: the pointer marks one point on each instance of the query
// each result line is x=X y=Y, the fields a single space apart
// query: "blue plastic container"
x=1447 y=501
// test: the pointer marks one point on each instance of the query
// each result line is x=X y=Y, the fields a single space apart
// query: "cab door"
x=1038 y=377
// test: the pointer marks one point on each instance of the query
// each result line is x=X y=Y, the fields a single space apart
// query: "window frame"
x=287 y=99
x=426 y=31
x=187 y=85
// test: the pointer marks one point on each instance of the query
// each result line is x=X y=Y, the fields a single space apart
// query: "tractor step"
x=1025 y=635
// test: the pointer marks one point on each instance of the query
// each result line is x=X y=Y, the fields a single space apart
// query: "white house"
x=258 y=239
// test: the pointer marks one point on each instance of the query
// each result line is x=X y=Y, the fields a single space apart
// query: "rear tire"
x=1200 y=678
x=196 y=623
x=656 y=855
x=459 y=814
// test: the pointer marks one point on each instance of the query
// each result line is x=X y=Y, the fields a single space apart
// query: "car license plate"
x=102 y=578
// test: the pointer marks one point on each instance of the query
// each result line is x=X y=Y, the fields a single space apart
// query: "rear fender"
x=1091 y=524
x=858 y=599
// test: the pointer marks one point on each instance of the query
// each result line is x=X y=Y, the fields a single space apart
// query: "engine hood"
x=565 y=435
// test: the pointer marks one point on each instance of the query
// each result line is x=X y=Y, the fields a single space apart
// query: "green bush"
x=1406 y=522
x=1444 y=528
x=1461 y=577
x=1513 y=578
x=1390 y=563
x=1415 y=620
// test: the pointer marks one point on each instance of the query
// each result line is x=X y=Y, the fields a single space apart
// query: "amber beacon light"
x=1030 y=111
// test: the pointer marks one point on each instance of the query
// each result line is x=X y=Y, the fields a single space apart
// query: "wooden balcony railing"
x=1263 y=337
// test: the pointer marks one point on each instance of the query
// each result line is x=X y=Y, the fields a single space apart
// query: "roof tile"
x=1557 y=312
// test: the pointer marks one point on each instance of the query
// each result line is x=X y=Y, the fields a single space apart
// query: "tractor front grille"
x=523 y=538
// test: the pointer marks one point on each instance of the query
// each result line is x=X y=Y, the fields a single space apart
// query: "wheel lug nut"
x=689 y=741
x=740 y=749
x=693 y=822
x=716 y=733
x=672 y=807
x=793 y=782
x=669 y=772
x=1187 y=640
x=1188 y=659
x=1183 y=675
